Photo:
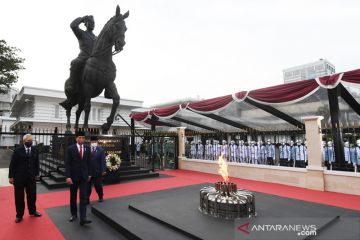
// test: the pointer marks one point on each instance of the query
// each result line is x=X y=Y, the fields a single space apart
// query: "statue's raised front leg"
x=112 y=93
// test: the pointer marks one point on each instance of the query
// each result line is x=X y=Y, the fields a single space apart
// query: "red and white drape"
x=276 y=95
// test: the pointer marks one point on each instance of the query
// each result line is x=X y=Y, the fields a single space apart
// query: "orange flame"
x=223 y=168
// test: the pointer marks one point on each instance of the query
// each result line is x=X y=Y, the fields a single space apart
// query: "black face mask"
x=28 y=144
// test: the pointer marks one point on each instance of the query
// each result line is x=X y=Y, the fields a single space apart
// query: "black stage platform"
x=98 y=229
x=174 y=214
x=43 y=189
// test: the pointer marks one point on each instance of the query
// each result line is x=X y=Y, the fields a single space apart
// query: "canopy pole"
x=133 y=148
x=273 y=111
x=153 y=129
x=349 y=99
x=333 y=95
x=153 y=120
x=179 y=119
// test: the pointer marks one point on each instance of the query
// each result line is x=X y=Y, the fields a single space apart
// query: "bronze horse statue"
x=99 y=73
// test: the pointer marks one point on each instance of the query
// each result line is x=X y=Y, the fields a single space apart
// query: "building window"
x=99 y=114
x=57 y=111
x=94 y=114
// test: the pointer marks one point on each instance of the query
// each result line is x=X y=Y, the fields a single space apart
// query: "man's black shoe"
x=101 y=199
x=83 y=222
x=18 y=219
x=72 y=218
x=36 y=214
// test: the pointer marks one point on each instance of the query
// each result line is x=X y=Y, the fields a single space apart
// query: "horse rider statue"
x=86 y=42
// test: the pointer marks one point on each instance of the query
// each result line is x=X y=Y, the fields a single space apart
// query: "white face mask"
x=94 y=144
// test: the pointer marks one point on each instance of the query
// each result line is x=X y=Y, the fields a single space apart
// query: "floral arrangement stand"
x=113 y=163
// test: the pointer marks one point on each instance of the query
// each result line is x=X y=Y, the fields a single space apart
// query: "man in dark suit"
x=77 y=175
x=97 y=168
x=23 y=173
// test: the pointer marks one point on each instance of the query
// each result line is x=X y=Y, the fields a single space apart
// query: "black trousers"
x=291 y=162
x=284 y=162
x=299 y=163
x=29 y=186
x=270 y=161
x=82 y=185
x=97 y=182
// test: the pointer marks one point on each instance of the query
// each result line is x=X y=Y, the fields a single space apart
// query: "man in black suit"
x=23 y=173
x=97 y=168
x=77 y=175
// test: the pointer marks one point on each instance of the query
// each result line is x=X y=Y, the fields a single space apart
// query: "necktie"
x=93 y=151
x=81 y=152
x=28 y=152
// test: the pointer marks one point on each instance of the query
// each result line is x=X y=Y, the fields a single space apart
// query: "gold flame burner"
x=226 y=201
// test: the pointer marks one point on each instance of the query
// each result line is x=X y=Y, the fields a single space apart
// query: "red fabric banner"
x=329 y=80
x=166 y=111
x=150 y=122
x=240 y=95
x=210 y=104
x=285 y=92
x=139 y=116
x=352 y=76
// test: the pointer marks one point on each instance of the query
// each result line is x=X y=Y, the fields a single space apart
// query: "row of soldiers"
x=351 y=154
x=292 y=154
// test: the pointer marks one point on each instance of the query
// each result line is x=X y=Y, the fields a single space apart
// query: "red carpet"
x=42 y=228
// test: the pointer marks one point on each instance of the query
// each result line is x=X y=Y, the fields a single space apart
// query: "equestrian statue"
x=94 y=70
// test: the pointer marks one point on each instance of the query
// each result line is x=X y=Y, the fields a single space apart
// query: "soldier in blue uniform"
x=299 y=154
x=262 y=152
x=347 y=152
x=253 y=153
x=284 y=150
x=200 y=150
x=241 y=151
x=329 y=154
x=225 y=149
x=270 y=153
x=357 y=155
x=193 y=150
x=292 y=154
x=232 y=151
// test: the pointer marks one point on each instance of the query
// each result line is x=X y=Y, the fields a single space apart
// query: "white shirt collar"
x=78 y=146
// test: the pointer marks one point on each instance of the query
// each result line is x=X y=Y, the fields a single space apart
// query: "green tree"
x=10 y=64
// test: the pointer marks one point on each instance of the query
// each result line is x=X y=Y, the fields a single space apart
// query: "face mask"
x=93 y=144
x=28 y=144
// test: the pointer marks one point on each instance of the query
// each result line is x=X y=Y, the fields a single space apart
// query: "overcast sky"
x=187 y=48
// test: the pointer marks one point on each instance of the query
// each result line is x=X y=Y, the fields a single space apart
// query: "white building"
x=38 y=109
x=5 y=120
x=6 y=100
x=308 y=71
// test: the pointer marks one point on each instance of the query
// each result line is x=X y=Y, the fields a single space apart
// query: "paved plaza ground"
x=54 y=205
